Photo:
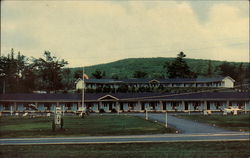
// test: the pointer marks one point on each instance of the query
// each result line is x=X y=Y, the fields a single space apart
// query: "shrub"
x=101 y=111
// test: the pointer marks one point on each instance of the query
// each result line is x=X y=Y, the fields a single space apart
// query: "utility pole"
x=146 y=114
x=83 y=88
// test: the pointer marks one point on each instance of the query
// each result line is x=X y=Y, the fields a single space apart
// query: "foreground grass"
x=144 y=150
x=93 y=125
x=230 y=122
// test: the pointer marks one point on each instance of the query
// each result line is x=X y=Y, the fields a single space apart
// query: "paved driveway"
x=184 y=126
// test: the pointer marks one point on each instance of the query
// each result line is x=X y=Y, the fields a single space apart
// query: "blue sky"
x=94 y=32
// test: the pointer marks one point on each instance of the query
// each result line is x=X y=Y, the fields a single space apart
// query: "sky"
x=94 y=32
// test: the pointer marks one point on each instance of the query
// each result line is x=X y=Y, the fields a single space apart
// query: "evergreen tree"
x=227 y=69
x=179 y=68
x=140 y=74
x=209 y=69
x=98 y=74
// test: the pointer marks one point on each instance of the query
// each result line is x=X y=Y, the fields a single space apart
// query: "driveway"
x=182 y=125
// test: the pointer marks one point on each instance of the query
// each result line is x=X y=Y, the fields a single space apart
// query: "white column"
x=183 y=105
x=36 y=104
x=205 y=108
x=15 y=107
x=161 y=106
x=245 y=107
x=189 y=109
x=166 y=123
x=139 y=106
x=11 y=110
x=118 y=108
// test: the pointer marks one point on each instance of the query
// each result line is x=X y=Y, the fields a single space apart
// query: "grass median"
x=230 y=122
x=218 y=149
x=93 y=125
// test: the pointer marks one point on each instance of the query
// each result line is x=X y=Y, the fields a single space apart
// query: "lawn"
x=137 y=150
x=231 y=122
x=93 y=125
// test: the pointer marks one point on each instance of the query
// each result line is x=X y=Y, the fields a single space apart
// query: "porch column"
x=228 y=103
x=189 y=109
x=78 y=105
x=205 y=105
x=139 y=105
x=161 y=105
x=183 y=105
x=117 y=107
x=36 y=105
x=15 y=106
x=245 y=107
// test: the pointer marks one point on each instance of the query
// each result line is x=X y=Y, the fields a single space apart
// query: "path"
x=185 y=126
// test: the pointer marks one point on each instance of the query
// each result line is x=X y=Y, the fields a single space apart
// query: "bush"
x=61 y=123
x=53 y=126
x=101 y=111
x=114 y=111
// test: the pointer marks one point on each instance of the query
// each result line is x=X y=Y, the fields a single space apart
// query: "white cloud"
x=87 y=33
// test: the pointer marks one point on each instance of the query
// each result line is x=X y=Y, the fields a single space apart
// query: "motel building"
x=219 y=82
x=125 y=102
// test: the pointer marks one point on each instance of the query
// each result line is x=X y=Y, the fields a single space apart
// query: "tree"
x=209 y=69
x=139 y=74
x=179 y=68
x=98 y=74
x=78 y=74
x=67 y=79
x=11 y=72
x=227 y=69
x=49 y=71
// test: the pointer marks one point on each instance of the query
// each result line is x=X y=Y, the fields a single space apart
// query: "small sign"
x=58 y=120
x=58 y=115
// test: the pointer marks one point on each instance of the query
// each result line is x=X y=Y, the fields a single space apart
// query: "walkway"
x=184 y=126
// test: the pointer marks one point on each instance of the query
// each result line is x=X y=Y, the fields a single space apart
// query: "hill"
x=152 y=66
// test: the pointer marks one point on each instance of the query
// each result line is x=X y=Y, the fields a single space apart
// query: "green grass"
x=231 y=122
x=137 y=150
x=93 y=125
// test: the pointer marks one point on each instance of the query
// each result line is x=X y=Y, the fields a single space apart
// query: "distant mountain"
x=152 y=66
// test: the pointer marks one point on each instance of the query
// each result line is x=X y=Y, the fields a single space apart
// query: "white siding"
x=228 y=83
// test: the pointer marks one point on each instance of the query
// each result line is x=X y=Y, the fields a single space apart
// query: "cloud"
x=88 y=33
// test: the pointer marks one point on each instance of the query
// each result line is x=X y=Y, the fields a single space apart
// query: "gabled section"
x=79 y=79
x=108 y=97
x=230 y=78
x=154 y=81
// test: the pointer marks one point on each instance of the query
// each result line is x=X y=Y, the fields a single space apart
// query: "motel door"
x=121 y=106
x=186 y=106
x=142 y=106
x=110 y=106
x=208 y=106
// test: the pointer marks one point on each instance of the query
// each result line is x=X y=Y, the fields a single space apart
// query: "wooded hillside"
x=153 y=67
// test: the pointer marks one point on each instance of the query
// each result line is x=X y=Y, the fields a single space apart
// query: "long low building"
x=219 y=82
x=125 y=102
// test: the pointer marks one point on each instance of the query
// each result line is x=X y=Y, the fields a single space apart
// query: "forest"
x=19 y=74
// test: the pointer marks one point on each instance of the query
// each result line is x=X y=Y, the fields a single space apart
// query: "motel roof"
x=174 y=80
x=124 y=96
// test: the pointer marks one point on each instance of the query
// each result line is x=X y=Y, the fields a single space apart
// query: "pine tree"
x=179 y=68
